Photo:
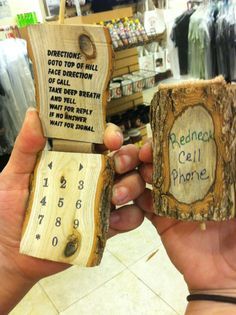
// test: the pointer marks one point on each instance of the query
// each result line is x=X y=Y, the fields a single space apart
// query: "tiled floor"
x=127 y=282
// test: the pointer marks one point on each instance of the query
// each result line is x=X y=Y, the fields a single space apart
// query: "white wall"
x=177 y=4
x=22 y=6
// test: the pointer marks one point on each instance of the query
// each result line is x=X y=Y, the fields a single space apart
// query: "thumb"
x=29 y=142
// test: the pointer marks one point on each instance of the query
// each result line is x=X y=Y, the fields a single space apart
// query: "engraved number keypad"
x=60 y=227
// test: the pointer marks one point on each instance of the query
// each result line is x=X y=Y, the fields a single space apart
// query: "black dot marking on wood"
x=71 y=247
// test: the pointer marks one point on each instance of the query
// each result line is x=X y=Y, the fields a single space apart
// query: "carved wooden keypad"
x=65 y=198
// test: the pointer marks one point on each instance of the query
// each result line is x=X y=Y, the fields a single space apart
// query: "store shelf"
x=98 y=17
x=152 y=38
x=126 y=58
x=126 y=61
x=124 y=103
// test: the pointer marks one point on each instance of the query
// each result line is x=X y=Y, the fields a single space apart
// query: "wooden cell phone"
x=70 y=192
x=194 y=149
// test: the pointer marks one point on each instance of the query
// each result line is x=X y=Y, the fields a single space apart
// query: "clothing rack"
x=16 y=89
x=205 y=38
x=193 y=3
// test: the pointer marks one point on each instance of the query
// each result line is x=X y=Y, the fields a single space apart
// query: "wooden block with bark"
x=70 y=192
x=194 y=143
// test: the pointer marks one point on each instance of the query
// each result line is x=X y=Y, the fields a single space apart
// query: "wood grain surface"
x=72 y=69
x=68 y=208
x=193 y=125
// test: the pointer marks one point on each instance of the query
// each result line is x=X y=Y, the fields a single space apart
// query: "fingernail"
x=31 y=109
x=148 y=144
x=122 y=162
x=114 y=217
x=149 y=140
x=120 y=194
x=120 y=135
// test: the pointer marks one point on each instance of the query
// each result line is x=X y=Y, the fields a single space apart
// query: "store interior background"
x=18 y=7
x=136 y=276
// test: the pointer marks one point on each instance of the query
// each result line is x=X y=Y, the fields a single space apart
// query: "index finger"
x=145 y=153
x=113 y=139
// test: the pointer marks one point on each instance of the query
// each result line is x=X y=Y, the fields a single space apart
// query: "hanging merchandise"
x=161 y=62
x=159 y=56
x=161 y=4
x=225 y=31
x=211 y=40
x=152 y=17
x=145 y=5
x=16 y=90
x=193 y=4
x=167 y=59
x=172 y=58
x=179 y=36
x=146 y=60
x=154 y=22
x=200 y=36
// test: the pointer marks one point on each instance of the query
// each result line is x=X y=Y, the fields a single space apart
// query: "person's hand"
x=207 y=259
x=19 y=272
